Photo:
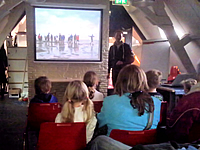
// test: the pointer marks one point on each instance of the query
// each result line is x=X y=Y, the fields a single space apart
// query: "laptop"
x=179 y=78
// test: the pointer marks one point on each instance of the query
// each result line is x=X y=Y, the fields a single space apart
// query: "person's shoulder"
x=156 y=100
x=36 y=100
x=111 y=47
x=111 y=98
x=157 y=95
x=126 y=45
x=53 y=99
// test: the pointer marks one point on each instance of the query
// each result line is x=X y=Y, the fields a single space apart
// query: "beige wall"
x=67 y=70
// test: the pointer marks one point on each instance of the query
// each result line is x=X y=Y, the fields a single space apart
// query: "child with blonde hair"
x=91 y=80
x=78 y=107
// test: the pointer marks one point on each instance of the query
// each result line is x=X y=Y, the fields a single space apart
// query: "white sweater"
x=79 y=117
x=98 y=96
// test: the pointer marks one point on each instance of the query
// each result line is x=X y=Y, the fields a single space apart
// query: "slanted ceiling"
x=184 y=16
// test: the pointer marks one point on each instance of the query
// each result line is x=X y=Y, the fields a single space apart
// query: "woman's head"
x=131 y=79
x=91 y=80
x=42 y=85
x=153 y=78
x=76 y=93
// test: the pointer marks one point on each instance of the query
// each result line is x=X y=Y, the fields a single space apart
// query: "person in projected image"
x=92 y=39
x=120 y=55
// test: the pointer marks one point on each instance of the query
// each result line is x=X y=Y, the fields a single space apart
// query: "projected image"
x=67 y=34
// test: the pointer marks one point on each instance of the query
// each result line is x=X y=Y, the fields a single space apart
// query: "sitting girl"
x=78 y=107
x=91 y=80
x=130 y=106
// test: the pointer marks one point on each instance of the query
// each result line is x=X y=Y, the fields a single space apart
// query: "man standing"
x=3 y=67
x=120 y=54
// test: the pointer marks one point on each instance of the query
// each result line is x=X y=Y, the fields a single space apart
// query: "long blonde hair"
x=132 y=79
x=76 y=91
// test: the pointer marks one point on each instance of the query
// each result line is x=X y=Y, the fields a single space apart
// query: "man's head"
x=118 y=35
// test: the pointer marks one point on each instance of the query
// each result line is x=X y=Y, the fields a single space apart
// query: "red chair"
x=37 y=114
x=133 y=138
x=61 y=136
x=163 y=113
x=42 y=112
x=97 y=105
x=194 y=133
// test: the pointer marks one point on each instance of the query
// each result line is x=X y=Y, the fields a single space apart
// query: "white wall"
x=155 y=55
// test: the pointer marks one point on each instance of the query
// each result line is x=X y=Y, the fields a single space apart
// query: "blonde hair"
x=76 y=91
x=188 y=83
x=153 y=78
x=90 y=79
x=132 y=79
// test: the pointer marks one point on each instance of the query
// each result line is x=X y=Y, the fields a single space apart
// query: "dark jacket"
x=3 y=65
x=44 y=98
x=183 y=116
x=124 y=53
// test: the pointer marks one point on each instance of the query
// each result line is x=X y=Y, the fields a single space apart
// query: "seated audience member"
x=91 y=80
x=42 y=89
x=78 y=107
x=187 y=84
x=153 y=80
x=129 y=108
x=106 y=143
x=185 y=115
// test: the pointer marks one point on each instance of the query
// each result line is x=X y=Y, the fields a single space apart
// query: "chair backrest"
x=60 y=136
x=97 y=106
x=194 y=133
x=42 y=112
x=163 y=113
x=133 y=138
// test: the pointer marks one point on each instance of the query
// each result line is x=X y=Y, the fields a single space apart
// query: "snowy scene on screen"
x=67 y=34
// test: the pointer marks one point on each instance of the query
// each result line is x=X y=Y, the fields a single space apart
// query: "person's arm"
x=58 y=118
x=110 y=55
x=53 y=99
x=90 y=128
x=128 y=55
x=102 y=115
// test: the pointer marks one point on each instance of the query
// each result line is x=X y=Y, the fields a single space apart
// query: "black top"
x=3 y=65
x=123 y=53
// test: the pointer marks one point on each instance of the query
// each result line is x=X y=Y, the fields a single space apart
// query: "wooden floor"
x=12 y=123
